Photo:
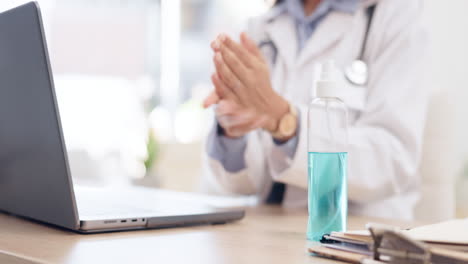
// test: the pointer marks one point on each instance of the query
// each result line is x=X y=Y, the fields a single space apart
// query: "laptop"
x=35 y=178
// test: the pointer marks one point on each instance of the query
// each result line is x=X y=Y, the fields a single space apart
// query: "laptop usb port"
x=134 y=220
x=123 y=221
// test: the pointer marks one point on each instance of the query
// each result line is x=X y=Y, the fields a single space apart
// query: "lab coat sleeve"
x=386 y=140
x=228 y=151
x=248 y=179
x=253 y=179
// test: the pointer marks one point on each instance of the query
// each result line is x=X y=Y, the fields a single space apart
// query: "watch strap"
x=278 y=134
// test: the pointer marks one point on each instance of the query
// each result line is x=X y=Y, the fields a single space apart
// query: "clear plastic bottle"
x=327 y=157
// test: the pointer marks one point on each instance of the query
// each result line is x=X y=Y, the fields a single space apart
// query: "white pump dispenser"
x=327 y=142
x=328 y=84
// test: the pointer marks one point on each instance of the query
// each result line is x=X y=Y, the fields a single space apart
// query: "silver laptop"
x=35 y=180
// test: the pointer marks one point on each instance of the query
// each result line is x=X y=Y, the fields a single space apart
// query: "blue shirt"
x=306 y=25
x=230 y=152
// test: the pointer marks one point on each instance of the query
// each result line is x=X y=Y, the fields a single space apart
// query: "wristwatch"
x=287 y=125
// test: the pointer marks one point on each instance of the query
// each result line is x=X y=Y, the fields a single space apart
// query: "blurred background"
x=131 y=75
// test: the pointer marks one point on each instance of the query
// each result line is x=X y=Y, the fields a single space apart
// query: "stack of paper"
x=452 y=234
x=447 y=241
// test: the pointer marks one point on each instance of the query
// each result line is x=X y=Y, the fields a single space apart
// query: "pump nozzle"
x=327 y=85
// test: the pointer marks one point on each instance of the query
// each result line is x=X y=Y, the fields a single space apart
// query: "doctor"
x=263 y=84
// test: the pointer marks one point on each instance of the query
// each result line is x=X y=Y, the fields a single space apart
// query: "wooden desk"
x=266 y=235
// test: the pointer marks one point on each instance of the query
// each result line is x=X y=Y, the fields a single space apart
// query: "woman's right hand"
x=232 y=116
x=243 y=91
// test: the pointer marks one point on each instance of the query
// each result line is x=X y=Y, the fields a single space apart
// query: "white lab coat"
x=386 y=118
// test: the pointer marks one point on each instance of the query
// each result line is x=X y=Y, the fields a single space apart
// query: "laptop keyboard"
x=116 y=210
x=124 y=205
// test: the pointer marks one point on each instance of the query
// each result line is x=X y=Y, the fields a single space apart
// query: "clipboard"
x=389 y=245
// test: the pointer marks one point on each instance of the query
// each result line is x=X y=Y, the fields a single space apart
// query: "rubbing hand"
x=246 y=100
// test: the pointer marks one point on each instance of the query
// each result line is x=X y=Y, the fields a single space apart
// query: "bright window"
x=128 y=69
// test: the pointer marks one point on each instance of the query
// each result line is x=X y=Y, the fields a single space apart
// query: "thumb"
x=211 y=100
x=250 y=45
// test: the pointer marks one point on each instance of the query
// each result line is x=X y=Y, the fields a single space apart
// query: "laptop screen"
x=34 y=176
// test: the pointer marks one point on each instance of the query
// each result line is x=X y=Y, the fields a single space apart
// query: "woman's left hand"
x=243 y=71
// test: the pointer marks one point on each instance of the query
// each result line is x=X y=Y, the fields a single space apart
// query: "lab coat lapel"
x=282 y=32
x=334 y=26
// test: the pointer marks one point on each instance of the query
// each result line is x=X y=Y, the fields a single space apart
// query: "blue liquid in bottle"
x=328 y=201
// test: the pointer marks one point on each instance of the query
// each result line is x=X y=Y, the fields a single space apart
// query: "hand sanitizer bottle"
x=327 y=157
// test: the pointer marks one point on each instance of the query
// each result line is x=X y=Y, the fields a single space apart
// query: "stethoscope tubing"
x=357 y=73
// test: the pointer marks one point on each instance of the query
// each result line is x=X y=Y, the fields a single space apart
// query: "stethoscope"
x=357 y=72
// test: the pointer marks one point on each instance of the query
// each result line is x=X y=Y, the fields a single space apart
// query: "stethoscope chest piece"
x=357 y=73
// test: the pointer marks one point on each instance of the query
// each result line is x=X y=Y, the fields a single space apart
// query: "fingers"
x=235 y=126
x=235 y=119
x=234 y=64
x=250 y=45
x=212 y=99
x=226 y=75
x=231 y=121
x=230 y=114
x=221 y=89
x=244 y=50
x=239 y=51
x=237 y=131
x=215 y=45
x=224 y=72
x=227 y=107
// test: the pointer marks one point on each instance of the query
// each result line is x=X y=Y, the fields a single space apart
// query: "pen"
x=342 y=255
